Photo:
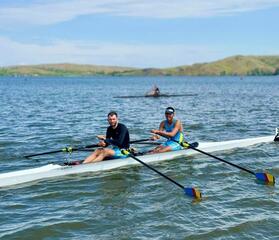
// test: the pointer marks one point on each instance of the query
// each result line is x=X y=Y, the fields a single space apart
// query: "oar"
x=71 y=149
x=149 y=143
x=192 y=192
x=140 y=140
x=261 y=176
x=65 y=149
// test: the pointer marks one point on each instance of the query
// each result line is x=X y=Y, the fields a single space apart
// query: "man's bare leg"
x=99 y=155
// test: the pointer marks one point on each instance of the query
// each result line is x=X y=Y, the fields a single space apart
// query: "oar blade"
x=193 y=192
x=265 y=177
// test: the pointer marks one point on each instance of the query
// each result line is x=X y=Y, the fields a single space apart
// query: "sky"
x=135 y=33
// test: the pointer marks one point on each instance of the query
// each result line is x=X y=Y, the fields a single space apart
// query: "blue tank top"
x=169 y=127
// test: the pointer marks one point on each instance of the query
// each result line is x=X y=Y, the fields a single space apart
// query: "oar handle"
x=149 y=143
x=88 y=146
x=140 y=140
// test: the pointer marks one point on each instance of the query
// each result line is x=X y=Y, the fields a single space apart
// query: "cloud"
x=51 y=12
x=100 y=53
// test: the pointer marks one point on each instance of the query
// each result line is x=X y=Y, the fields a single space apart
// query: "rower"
x=155 y=92
x=117 y=136
x=170 y=128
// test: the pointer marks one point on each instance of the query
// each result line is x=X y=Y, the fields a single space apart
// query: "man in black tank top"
x=117 y=137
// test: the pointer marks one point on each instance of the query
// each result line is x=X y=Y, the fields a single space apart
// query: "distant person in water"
x=155 y=92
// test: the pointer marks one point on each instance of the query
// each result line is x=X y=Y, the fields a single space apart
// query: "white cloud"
x=51 y=12
x=134 y=55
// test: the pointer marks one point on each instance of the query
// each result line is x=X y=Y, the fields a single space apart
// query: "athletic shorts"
x=118 y=153
x=174 y=145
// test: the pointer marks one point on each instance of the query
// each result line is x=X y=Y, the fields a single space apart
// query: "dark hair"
x=111 y=113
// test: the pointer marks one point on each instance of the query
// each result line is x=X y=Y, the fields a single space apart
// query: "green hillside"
x=62 y=70
x=236 y=65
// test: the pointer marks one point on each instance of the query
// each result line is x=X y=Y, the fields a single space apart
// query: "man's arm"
x=103 y=138
x=176 y=128
x=155 y=131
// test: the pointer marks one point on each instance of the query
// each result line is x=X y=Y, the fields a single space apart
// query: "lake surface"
x=42 y=114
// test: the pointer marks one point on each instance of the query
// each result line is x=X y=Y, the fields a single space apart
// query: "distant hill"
x=63 y=69
x=236 y=65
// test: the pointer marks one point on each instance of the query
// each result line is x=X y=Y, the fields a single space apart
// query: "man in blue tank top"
x=117 y=137
x=172 y=129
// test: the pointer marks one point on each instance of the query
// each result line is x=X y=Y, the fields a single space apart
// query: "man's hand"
x=101 y=137
x=154 y=137
x=155 y=131
x=102 y=144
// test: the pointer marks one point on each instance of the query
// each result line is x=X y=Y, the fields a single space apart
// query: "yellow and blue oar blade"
x=265 y=177
x=193 y=192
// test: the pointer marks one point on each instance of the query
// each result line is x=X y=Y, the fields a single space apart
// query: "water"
x=42 y=114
